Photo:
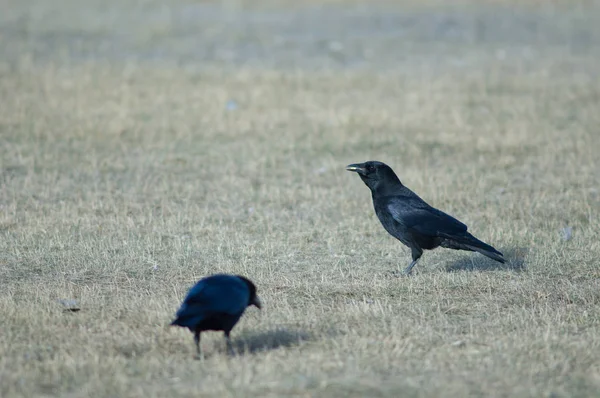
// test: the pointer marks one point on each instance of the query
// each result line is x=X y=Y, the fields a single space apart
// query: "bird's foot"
x=396 y=274
x=230 y=350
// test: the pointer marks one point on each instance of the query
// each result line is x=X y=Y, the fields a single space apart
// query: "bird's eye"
x=370 y=168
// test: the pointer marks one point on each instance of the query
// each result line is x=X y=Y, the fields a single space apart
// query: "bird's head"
x=374 y=174
x=254 y=299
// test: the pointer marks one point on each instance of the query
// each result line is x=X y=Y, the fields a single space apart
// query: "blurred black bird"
x=216 y=303
x=411 y=220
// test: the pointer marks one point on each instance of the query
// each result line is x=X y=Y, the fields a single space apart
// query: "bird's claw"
x=397 y=274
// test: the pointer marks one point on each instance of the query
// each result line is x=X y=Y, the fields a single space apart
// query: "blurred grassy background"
x=145 y=145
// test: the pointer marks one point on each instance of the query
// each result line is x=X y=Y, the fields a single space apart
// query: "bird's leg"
x=197 y=341
x=408 y=269
x=229 y=345
x=415 y=258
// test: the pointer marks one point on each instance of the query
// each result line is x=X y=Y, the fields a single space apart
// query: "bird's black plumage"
x=411 y=220
x=216 y=302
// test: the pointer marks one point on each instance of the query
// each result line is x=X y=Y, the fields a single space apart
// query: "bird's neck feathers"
x=387 y=184
x=251 y=288
x=388 y=189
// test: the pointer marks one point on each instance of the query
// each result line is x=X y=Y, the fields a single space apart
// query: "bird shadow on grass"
x=515 y=261
x=269 y=340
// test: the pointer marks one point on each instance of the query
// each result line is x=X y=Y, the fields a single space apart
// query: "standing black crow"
x=411 y=220
x=216 y=303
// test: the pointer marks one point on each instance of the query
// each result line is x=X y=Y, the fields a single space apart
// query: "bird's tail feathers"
x=494 y=255
x=470 y=242
x=187 y=321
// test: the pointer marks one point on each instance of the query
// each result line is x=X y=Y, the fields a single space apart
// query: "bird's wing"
x=220 y=294
x=424 y=219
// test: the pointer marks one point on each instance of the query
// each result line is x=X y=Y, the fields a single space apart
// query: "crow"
x=411 y=220
x=216 y=302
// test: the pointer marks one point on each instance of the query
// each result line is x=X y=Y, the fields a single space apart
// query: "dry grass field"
x=145 y=145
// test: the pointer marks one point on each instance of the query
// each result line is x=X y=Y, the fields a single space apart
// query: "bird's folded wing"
x=423 y=218
x=228 y=297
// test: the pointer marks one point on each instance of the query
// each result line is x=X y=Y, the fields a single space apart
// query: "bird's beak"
x=357 y=168
x=256 y=302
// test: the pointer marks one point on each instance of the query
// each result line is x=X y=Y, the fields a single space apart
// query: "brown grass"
x=123 y=182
